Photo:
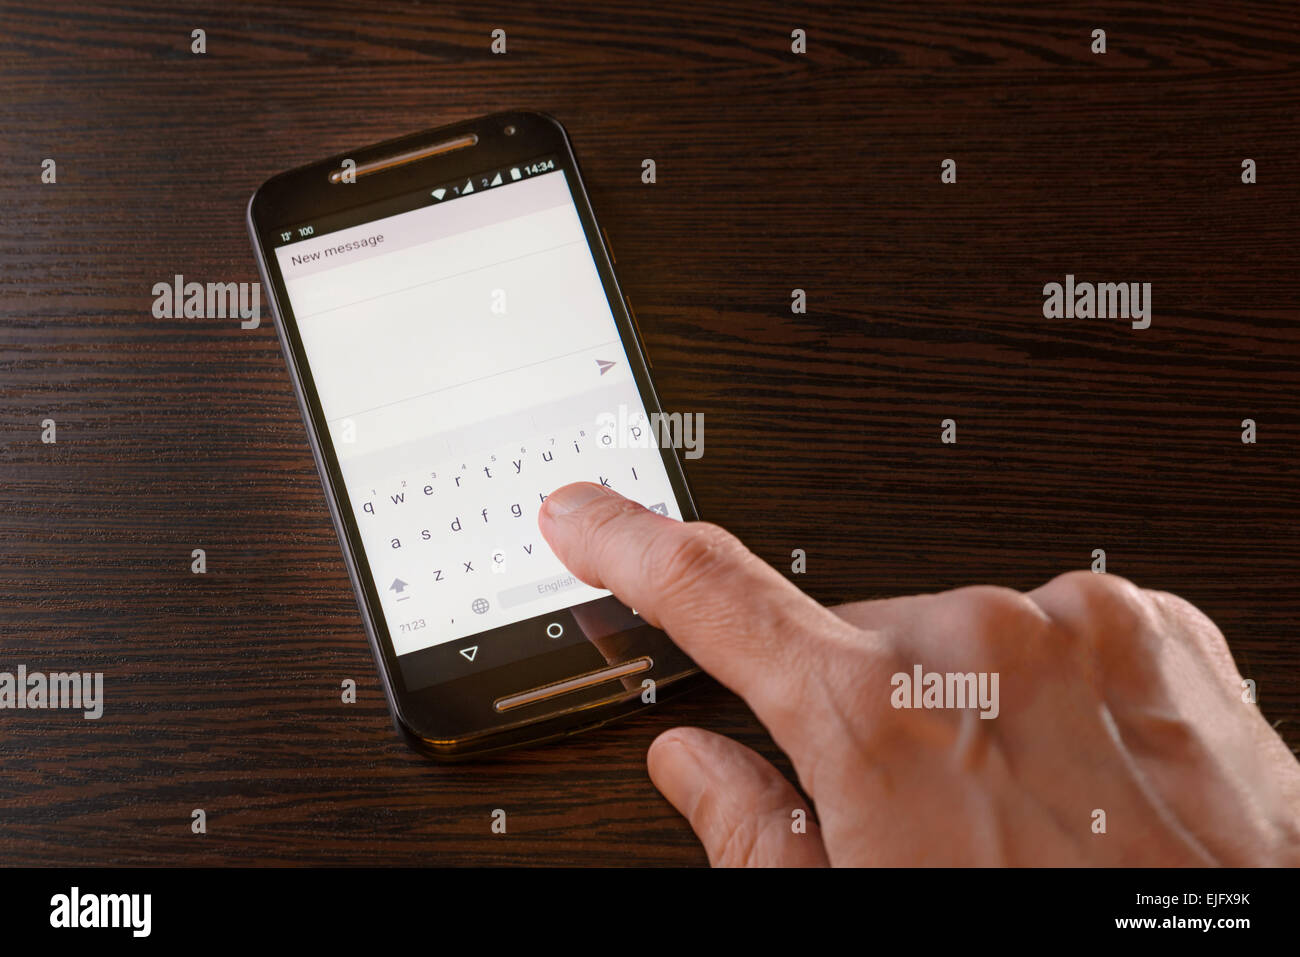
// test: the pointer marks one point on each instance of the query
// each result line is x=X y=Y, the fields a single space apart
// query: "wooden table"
x=775 y=172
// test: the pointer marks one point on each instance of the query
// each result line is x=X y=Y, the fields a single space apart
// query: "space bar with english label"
x=521 y=594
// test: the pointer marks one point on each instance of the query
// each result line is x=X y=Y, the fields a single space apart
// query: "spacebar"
x=542 y=588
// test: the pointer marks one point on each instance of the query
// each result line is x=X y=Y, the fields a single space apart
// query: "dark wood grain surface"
x=775 y=171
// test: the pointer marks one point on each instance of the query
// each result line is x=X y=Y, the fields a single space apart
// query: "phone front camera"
x=510 y=131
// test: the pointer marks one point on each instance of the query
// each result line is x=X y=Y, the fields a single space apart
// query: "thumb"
x=739 y=806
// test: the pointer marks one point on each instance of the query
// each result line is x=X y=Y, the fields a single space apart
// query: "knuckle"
x=1176 y=606
x=994 y=613
x=686 y=553
x=1184 y=618
x=739 y=845
x=1107 y=598
x=601 y=523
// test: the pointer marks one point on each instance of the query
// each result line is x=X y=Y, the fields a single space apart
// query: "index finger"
x=724 y=606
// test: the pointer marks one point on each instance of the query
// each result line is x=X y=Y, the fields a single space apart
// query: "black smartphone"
x=449 y=315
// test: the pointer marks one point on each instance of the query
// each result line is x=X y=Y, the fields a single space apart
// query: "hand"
x=1111 y=700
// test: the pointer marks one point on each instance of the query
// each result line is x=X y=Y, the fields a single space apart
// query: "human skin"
x=1113 y=699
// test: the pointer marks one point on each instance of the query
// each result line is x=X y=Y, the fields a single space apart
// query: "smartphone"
x=448 y=313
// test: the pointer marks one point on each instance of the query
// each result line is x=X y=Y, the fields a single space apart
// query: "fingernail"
x=570 y=498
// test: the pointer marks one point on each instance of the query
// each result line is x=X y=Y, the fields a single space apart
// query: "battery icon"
x=514 y=172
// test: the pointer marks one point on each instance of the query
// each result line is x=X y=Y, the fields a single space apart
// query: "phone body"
x=459 y=345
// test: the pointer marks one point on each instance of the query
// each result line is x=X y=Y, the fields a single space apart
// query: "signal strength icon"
x=438 y=194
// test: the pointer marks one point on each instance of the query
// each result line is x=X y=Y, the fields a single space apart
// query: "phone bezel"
x=422 y=715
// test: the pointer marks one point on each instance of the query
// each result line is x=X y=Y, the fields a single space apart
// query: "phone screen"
x=467 y=362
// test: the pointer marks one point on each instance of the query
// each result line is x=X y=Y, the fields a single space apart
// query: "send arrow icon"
x=469 y=652
x=605 y=365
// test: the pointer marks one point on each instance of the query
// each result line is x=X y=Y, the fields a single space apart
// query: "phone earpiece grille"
x=401 y=159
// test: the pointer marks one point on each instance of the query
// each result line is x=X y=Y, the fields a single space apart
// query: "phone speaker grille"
x=401 y=159
x=577 y=683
